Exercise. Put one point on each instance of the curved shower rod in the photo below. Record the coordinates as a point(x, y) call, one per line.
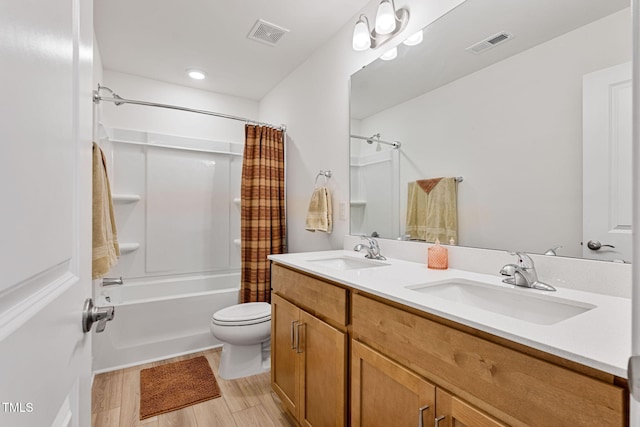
point(376, 138)
point(118, 100)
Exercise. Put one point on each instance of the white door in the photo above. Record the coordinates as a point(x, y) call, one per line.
point(46, 52)
point(607, 160)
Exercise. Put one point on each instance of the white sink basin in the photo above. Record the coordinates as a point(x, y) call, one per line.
point(347, 263)
point(523, 304)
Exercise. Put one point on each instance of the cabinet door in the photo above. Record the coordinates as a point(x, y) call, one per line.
point(456, 413)
point(323, 364)
point(384, 393)
point(285, 379)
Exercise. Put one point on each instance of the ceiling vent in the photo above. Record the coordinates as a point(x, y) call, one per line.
point(266, 32)
point(490, 42)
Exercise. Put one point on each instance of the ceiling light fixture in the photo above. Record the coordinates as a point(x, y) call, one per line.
point(414, 39)
point(196, 74)
point(389, 22)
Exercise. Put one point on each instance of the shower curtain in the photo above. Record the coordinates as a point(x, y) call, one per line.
point(262, 217)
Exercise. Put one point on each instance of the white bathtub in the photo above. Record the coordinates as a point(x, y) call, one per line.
point(158, 319)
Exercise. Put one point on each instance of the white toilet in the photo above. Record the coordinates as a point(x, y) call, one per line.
point(245, 332)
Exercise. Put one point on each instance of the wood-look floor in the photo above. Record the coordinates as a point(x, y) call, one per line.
point(245, 402)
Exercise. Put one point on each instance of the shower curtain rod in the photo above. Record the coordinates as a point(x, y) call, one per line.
point(118, 100)
point(376, 138)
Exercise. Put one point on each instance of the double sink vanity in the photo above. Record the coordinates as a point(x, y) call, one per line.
point(390, 343)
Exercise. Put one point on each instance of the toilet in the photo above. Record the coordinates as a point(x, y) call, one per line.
point(245, 332)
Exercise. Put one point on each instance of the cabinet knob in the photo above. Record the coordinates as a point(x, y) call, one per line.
point(440, 418)
point(421, 415)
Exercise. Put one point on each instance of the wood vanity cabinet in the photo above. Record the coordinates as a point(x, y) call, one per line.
point(407, 366)
point(453, 412)
point(384, 393)
point(308, 354)
point(484, 383)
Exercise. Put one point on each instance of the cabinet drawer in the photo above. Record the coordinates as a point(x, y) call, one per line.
point(320, 298)
point(510, 385)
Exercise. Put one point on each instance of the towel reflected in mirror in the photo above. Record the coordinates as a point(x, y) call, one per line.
point(432, 211)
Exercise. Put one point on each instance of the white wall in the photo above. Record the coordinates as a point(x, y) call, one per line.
point(519, 164)
point(313, 101)
point(174, 122)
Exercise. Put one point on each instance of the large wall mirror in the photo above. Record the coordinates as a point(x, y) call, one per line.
point(529, 102)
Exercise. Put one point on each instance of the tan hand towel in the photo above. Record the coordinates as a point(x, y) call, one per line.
point(319, 215)
point(433, 215)
point(105, 239)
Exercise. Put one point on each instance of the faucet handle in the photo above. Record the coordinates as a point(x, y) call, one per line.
point(373, 243)
point(524, 260)
point(508, 270)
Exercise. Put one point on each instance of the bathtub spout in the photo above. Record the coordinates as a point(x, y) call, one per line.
point(110, 281)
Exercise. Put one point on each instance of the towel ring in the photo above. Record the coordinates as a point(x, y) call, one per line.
point(325, 174)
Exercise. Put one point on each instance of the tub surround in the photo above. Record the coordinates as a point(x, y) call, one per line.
point(599, 338)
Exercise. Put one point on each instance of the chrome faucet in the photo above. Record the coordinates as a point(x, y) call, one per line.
point(111, 281)
point(523, 273)
point(373, 250)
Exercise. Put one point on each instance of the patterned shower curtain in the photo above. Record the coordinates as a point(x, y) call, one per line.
point(262, 218)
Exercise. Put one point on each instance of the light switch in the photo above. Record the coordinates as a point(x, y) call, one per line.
point(342, 211)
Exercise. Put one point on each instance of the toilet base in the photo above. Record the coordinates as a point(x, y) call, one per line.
point(239, 361)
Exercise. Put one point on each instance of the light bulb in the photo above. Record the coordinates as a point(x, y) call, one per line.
point(414, 39)
point(385, 18)
point(361, 37)
point(390, 54)
point(196, 74)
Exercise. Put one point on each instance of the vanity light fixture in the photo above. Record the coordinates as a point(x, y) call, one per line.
point(361, 34)
point(414, 40)
point(389, 22)
point(390, 54)
point(385, 18)
point(196, 74)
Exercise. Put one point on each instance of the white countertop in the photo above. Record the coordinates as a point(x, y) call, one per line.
point(599, 338)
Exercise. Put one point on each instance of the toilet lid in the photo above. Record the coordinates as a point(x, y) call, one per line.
point(251, 312)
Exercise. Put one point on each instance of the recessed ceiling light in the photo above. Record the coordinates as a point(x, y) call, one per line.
point(196, 74)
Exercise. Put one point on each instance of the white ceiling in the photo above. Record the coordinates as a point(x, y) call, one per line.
point(159, 39)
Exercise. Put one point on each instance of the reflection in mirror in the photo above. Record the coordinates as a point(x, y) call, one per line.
point(538, 124)
point(375, 183)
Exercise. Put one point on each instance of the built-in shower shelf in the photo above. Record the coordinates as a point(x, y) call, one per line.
point(237, 242)
point(129, 247)
point(125, 198)
point(237, 201)
point(358, 203)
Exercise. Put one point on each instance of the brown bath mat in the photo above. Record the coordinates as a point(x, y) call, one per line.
point(173, 386)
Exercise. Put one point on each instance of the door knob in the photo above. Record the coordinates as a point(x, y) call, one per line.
point(595, 245)
point(92, 314)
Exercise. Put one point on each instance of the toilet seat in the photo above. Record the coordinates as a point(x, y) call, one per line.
point(243, 314)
